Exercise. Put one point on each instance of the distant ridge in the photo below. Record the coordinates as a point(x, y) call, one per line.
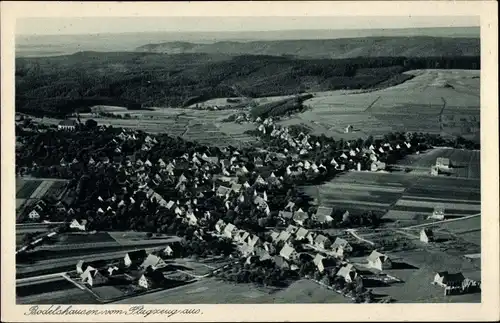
point(414, 46)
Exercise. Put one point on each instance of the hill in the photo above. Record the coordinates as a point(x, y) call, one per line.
point(56, 86)
point(418, 46)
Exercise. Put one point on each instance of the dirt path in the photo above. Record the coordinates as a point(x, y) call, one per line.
point(355, 235)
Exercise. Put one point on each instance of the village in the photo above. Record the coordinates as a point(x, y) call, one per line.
point(238, 203)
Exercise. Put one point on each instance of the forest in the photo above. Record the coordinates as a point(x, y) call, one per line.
point(61, 85)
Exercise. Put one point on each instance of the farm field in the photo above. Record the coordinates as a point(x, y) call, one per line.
point(454, 94)
point(466, 163)
point(408, 198)
point(25, 189)
point(69, 296)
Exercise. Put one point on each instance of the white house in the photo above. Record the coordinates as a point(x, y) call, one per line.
point(67, 125)
point(93, 277)
point(348, 272)
point(33, 215)
point(437, 214)
point(426, 235)
point(379, 261)
point(341, 247)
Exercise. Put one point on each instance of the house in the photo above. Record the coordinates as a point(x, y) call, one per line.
point(437, 214)
point(67, 125)
point(288, 252)
point(93, 277)
point(229, 230)
point(289, 206)
point(34, 215)
point(151, 280)
point(285, 215)
point(280, 262)
point(246, 250)
point(168, 251)
point(291, 229)
point(134, 257)
point(323, 214)
point(341, 247)
point(443, 162)
point(379, 261)
point(219, 226)
point(223, 192)
point(274, 236)
point(322, 242)
point(299, 217)
point(348, 272)
point(318, 262)
point(80, 267)
point(262, 253)
point(76, 225)
point(445, 279)
point(252, 240)
point(310, 237)
point(301, 234)
point(284, 236)
point(152, 261)
point(426, 235)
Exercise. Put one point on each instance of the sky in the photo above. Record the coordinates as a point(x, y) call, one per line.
point(101, 25)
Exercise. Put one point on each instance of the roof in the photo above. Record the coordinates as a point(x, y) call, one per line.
point(151, 260)
point(301, 233)
point(300, 215)
point(286, 215)
point(318, 259)
point(291, 228)
point(428, 232)
point(320, 239)
point(137, 255)
point(286, 251)
point(222, 190)
point(347, 270)
point(447, 277)
point(280, 261)
point(284, 236)
point(377, 255)
point(339, 242)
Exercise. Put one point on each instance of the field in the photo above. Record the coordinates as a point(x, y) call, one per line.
point(466, 163)
point(25, 189)
point(434, 101)
point(408, 198)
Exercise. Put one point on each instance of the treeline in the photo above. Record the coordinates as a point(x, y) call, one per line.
point(65, 84)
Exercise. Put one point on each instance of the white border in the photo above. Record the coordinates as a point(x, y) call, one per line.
point(487, 310)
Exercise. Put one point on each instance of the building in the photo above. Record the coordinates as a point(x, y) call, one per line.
point(426, 235)
point(379, 261)
point(445, 279)
point(134, 257)
point(228, 230)
point(288, 252)
point(80, 267)
point(322, 242)
point(67, 125)
point(341, 247)
point(443, 162)
point(348, 272)
point(284, 236)
point(77, 225)
point(299, 217)
point(318, 262)
point(323, 214)
point(301, 234)
point(152, 261)
point(34, 215)
point(93, 277)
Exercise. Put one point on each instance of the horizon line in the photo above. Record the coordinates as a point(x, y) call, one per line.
point(244, 31)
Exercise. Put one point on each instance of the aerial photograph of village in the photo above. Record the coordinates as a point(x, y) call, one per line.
point(249, 160)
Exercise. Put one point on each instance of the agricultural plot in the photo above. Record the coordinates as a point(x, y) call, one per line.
point(465, 163)
point(24, 188)
point(452, 93)
point(69, 296)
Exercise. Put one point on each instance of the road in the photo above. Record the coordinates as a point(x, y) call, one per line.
point(440, 222)
point(354, 234)
point(39, 279)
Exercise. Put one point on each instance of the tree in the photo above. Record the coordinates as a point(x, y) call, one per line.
point(91, 124)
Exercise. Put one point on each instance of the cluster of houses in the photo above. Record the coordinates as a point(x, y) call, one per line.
point(139, 267)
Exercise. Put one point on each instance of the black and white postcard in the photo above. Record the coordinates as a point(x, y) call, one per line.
point(202, 161)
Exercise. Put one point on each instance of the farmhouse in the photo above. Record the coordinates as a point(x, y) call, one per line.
point(78, 226)
point(34, 215)
point(379, 261)
point(445, 279)
point(442, 162)
point(301, 234)
point(426, 235)
point(341, 247)
point(323, 214)
point(299, 217)
point(322, 242)
point(348, 272)
point(152, 261)
point(67, 125)
point(93, 277)
point(284, 236)
point(287, 252)
point(80, 267)
point(281, 262)
point(134, 257)
point(151, 280)
point(229, 229)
